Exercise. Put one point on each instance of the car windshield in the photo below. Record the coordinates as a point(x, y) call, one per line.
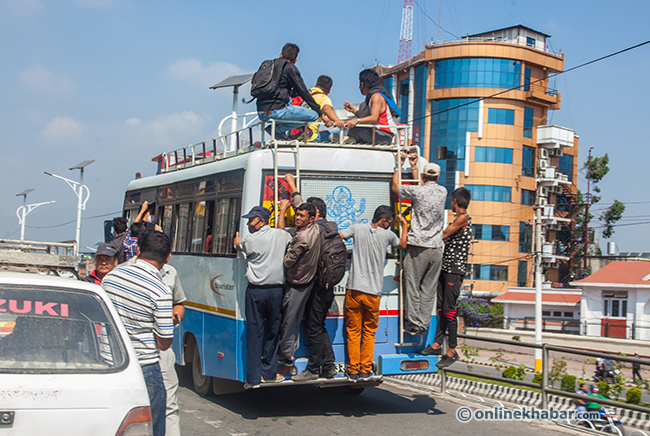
point(55, 330)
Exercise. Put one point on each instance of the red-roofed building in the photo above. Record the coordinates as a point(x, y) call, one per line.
point(560, 309)
point(616, 301)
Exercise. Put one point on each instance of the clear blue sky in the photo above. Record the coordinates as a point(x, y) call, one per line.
point(121, 81)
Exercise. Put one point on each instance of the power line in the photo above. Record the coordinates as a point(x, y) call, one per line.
point(12, 233)
point(535, 81)
point(432, 20)
point(73, 221)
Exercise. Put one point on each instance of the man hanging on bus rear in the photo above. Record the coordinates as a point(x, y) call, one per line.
point(273, 85)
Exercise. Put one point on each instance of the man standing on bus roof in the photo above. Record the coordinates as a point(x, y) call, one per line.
point(380, 104)
point(278, 105)
point(424, 252)
point(264, 248)
point(364, 286)
point(144, 303)
point(457, 237)
point(301, 262)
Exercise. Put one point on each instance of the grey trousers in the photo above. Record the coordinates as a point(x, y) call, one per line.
point(167, 361)
point(293, 307)
point(421, 272)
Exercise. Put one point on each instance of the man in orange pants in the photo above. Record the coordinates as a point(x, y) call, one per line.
point(364, 287)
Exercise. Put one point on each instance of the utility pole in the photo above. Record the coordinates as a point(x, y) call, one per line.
point(586, 235)
point(537, 233)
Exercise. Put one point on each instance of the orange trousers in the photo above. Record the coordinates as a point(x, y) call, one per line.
point(361, 321)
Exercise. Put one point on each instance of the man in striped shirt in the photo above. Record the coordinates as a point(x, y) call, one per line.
point(144, 303)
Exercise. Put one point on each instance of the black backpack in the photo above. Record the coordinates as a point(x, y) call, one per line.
point(333, 257)
point(264, 85)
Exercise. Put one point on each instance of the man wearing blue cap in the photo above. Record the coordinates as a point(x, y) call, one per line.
point(264, 248)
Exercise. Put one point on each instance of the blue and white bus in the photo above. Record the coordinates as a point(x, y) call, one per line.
point(201, 192)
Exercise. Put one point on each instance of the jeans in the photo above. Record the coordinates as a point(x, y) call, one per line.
point(263, 306)
point(157, 397)
point(289, 113)
point(293, 306)
point(361, 321)
point(320, 344)
point(421, 271)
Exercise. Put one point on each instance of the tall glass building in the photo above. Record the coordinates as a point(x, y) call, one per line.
point(475, 105)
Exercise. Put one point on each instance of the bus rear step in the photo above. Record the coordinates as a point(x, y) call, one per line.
point(328, 382)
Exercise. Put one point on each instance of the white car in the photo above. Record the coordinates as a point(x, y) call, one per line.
point(67, 365)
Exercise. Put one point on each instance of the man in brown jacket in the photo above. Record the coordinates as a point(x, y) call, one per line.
point(301, 261)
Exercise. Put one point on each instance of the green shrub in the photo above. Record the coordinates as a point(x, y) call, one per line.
point(538, 378)
point(516, 338)
point(604, 388)
point(568, 383)
point(509, 372)
point(633, 396)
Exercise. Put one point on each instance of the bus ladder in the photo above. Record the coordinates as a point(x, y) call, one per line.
point(295, 150)
point(400, 202)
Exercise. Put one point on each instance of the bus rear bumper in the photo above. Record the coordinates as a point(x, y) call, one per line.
point(326, 383)
point(393, 364)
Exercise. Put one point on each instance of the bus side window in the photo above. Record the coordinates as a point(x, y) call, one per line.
point(165, 219)
point(226, 225)
point(198, 227)
point(182, 220)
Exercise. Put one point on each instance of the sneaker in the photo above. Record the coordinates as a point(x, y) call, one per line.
point(365, 376)
point(249, 386)
point(447, 361)
point(277, 379)
point(415, 330)
point(353, 377)
point(304, 376)
point(430, 351)
point(329, 373)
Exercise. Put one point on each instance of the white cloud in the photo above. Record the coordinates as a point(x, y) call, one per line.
point(24, 7)
point(132, 122)
point(192, 70)
point(40, 79)
point(63, 129)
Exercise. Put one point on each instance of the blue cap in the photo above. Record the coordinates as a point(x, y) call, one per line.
point(259, 212)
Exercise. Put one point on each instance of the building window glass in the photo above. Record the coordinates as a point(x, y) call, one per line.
point(528, 122)
point(526, 79)
point(615, 304)
point(477, 73)
point(530, 42)
point(527, 197)
point(487, 232)
point(450, 121)
point(419, 103)
point(490, 193)
point(528, 161)
point(522, 273)
point(497, 273)
point(388, 84)
point(566, 165)
point(525, 237)
point(404, 101)
point(501, 116)
point(493, 154)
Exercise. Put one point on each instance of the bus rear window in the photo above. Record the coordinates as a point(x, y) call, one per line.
point(57, 331)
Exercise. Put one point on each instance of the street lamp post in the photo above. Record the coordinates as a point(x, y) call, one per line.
point(78, 188)
point(25, 209)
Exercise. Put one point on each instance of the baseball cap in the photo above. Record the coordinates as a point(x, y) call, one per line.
point(431, 169)
point(259, 212)
point(106, 249)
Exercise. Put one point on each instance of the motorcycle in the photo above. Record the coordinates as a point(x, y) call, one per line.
point(608, 422)
point(607, 375)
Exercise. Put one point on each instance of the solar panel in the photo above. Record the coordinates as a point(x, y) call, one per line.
point(233, 81)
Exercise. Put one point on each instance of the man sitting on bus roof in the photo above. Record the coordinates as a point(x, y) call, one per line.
point(264, 249)
point(278, 105)
point(320, 92)
point(301, 262)
point(380, 104)
point(105, 261)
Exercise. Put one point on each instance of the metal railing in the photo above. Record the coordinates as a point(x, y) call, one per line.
point(254, 135)
point(498, 39)
point(544, 387)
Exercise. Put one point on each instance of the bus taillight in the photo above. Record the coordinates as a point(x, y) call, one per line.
point(414, 365)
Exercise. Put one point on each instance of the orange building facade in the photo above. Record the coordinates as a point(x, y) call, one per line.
point(475, 106)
